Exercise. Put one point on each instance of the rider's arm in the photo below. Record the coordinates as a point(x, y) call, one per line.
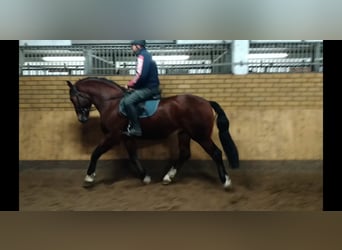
point(141, 71)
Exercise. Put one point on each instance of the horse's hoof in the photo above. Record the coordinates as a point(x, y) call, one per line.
point(166, 180)
point(88, 184)
point(90, 178)
point(228, 184)
point(228, 188)
point(147, 179)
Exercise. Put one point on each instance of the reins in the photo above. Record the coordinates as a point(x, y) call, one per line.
point(78, 93)
point(117, 97)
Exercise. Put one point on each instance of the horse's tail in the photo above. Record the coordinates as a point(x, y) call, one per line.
point(227, 142)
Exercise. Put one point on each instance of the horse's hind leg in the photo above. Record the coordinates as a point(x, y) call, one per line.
point(133, 157)
point(184, 155)
point(216, 154)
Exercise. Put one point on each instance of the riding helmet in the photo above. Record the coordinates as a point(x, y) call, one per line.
point(139, 42)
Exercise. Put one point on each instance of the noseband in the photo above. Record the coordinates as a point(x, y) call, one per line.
point(83, 111)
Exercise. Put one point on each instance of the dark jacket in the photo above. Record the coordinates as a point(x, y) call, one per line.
point(146, 71)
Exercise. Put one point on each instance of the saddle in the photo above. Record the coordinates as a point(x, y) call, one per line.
point(145, 109)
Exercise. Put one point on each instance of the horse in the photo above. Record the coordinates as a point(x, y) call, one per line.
point(190, 116)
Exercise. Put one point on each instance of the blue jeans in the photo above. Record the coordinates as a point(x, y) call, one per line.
point(131, 101)
point(139, 95)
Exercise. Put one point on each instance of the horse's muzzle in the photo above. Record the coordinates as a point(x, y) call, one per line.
point(82, 118)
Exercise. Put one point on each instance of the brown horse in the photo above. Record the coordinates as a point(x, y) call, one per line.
point(192, 116)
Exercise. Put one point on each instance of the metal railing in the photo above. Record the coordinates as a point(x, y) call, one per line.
point(172, 58)
point(298, 56)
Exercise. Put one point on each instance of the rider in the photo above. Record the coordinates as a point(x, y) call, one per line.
point(142, 87)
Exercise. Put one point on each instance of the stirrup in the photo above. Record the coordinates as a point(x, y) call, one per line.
point(132, 132)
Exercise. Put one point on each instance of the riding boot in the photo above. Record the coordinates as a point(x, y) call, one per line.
point(134, 128)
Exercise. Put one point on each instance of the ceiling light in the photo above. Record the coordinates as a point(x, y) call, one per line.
point(63, 58)
point(171, 58)
point(267, 56)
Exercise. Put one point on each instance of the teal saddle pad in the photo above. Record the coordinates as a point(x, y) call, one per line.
point(145, 109)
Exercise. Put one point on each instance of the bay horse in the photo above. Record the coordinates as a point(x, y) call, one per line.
point(192, 117)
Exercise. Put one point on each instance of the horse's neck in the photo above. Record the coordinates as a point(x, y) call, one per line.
point(101, 95)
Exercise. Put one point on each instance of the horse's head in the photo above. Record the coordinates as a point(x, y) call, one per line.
point(81, 102)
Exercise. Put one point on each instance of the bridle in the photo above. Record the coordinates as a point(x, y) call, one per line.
point(78, 94)
point(79, 109)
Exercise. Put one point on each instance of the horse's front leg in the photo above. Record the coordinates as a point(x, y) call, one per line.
point(131, 147)
point(102, 148)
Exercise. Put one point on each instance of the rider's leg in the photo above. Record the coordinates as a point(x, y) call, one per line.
point(134, 128)
point(131, 101)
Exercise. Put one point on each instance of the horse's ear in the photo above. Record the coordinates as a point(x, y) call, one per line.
point(70, 84)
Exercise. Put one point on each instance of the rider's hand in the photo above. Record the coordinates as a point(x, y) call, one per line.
point(129, 88)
